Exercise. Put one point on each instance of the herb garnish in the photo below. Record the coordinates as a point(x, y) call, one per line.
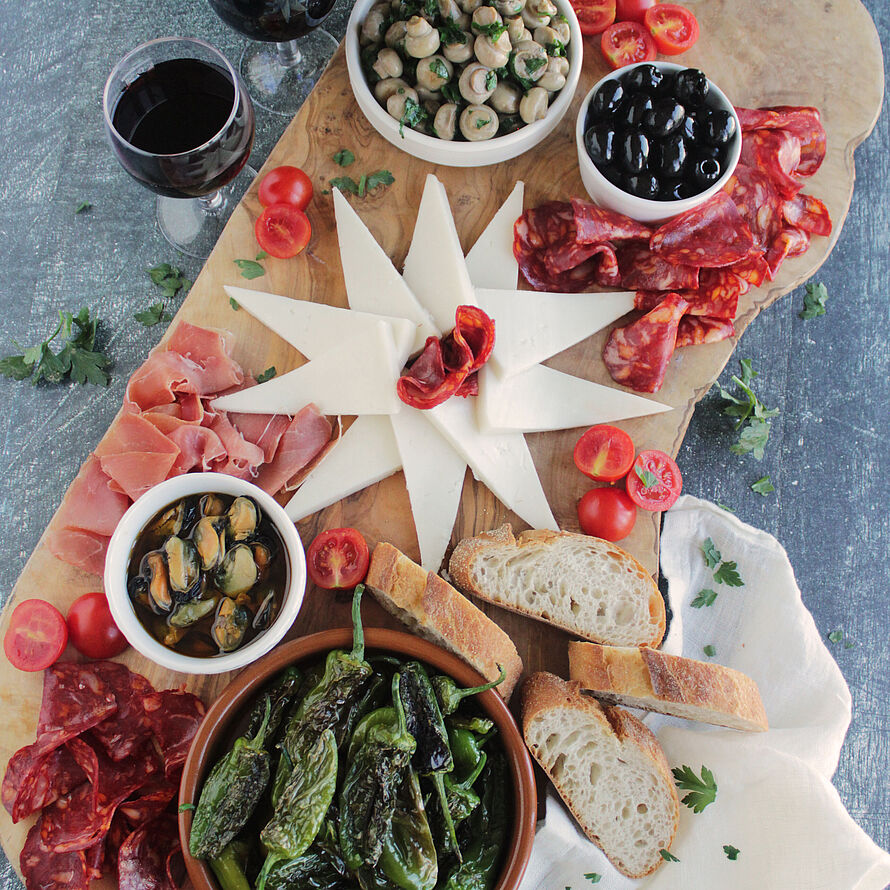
point(344, 157)
point(535, 63)
point(451, 93)
point(437, 66)
point(491, 80)
point(77, 359)
point(764, 485)
point(268, 374)
point(492, 31)
point(155, 314)
point(731, 852)
point(169, 279)
point(451, 34)
point(837, 636)
point(413, 114)
point(711, 553)
point(702, 791)
point(261, 255)
point(704, 597)
point(709, 650)
point(593, 877)
point(234, 303)
point(249, 268)
point(668, 856)
point(482, 122)
point(754, 417)
point(728, 575)
point(82, 207)
point(647, 477)
point(814, 300)
point(557, 48)
point(366, 183)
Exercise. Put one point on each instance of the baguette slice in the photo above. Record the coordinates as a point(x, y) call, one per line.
point(434, 610)
point(584, 585)
point(669, 684)
point(608, 768)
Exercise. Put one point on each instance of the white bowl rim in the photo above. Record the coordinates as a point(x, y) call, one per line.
point(670, 208)
point(118, 557)
point(555, 112)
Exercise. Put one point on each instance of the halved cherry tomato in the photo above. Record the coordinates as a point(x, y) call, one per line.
point(632, 10)
point(625, 43)
point(654, 482)
point(286, 185)
point(36, 637)
point(338, 558)
point(282, 230)
point(606, 513)
point(594, 16)
point(604, 453)
point(674, 28)
point(92, 629)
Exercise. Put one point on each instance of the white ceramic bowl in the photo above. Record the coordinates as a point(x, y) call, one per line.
point(610, 196)
point(460, 154)
point(118, 558)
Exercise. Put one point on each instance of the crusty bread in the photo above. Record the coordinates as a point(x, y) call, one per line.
point(669, 684)
point(584, 585)
point(433, 609)
point(608, 768)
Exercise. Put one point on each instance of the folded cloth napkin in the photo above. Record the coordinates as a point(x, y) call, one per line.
point(775, 802)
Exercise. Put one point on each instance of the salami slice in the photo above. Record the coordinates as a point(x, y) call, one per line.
point(564, 257)
point(128, 728)
point(754, 270)
point(695, 330)
point(549, 224)
point(717, 294)
point(804, 122)
point(643, 270)
point(808, 213)
point(710, 235)
point(758, 202)
point(94, 861)
point(43, 781)
point(45, 870)
point(148, 803)
point(174, 718)
point(637, 355)
point(143, 856)
point(775, 153)
point(789, 242)
point(594, 225)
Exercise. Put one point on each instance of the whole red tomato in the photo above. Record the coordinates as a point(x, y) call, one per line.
point(286, 185)
point(607, 513)
point(92, 629)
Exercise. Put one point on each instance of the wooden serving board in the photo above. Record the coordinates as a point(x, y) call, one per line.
point(800, 52)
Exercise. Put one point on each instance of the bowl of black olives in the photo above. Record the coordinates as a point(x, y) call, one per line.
point(656, 139)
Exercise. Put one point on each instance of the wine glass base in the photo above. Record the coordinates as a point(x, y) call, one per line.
point(192, 226)
point(280, 88)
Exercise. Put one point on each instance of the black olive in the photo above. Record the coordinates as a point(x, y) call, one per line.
point(634, 152)
point(643, 79)
point(665, 117)
point(691, 128)
point(707, 171)
point(643, 185)
point(676, 190)
point(605, 101)
point(720, 127)
point(613, 174)
point(634, 110)
point(703, 150)
point(691, 87)
point(667, 157)
point(600, 143)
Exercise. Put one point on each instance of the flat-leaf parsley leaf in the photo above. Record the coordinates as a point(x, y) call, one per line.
point(647, 477)
point(753, 423)
point(249, 268)
point(709, 650)
point(704, 597)
point(727, 574)
point(268, 374)
point(593, 877)
point(731, 852)
point(668, 856)
point(155, 314)
point(344, 157)
point(814, 300)
point(711, 553)
point(702, 791)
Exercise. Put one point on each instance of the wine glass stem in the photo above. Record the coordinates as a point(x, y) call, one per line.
point(289, 53)
point(214, 203)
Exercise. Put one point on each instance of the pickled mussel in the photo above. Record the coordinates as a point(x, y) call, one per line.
point(212, 505)
point(230, 625)
point(187, 614)
point(169, 522)
point(183, 568)
point(237, 573)
point(242, 519)
point(209, 537)
point(154, 570)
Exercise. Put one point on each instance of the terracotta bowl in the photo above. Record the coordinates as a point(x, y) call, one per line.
point(216, 734)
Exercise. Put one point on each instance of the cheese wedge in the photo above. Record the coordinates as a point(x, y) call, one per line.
point(542, 398)
point(531, 326)
point(358, 376)
point(365, 454)
point(490, 261)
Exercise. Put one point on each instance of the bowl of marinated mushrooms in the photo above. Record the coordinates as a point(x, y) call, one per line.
point(464, 83)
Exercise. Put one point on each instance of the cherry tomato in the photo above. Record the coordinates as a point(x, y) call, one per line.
point(36, 637)
point(674, 28)
point(594, 16)
point(92, 629)
point(607, 513)
point(604, 453)
point(625, 43)
point(338, 558)
point(632, 10)
point(654, 482)
point(282, 230)
point(286, 185)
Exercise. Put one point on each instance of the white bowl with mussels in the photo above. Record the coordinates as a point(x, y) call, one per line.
point(196, 608)
point(491, 80)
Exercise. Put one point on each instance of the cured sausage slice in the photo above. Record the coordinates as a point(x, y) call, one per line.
point(124, 732)
point(717, 294)
point(174, 718)
point(808, 213)
point(758, 202)
point(637, 355)
point(594, 225)
point(711, 235)
point(44, 781)
point(789, 242)
point(804, 122)
point(695, 330)
point(775, 153)
point(142, 861)
point(43, 869)
point(754, 270)
point(641, 269)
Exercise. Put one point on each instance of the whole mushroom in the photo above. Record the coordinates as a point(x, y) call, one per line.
point(484, 18)
point(469, 6)
point(477, 83)
point(509, 7)
point(459, 52)
point(421, 38)
point(554, 76)
point(433, 72)
point(374, 23)
point(493, 53)
point(561, 26)
point(383, 89)
point(546, 36)
point(529, 60)
point(515, 28)
point(445, 121)
point(388, 64)
point(505, 98)
point(478, 123)
point(395, 104)
point(449, 9)
point(395, 35)
point(533, 105)
point(536, 13)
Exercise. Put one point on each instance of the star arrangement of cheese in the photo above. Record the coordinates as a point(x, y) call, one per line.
point(355, 357)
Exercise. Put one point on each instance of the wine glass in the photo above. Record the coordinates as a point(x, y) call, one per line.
point(179, 120)
point(280, 69)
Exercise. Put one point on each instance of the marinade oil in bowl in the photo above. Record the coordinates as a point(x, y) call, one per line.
point(205, 573)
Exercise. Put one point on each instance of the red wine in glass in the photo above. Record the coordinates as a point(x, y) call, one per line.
point(273, 21)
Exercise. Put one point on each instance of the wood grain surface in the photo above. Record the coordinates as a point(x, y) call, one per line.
point(747, 56)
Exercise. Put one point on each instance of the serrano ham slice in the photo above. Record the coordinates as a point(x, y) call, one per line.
point(90, 504)
point(307, 434)
point(80, 548)
point(211, 351)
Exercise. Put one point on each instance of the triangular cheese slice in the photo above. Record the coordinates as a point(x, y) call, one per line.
point(372, 282)
point(500, 461)
point(490, 261)
point(365, 454)
point(434, 476)
point(314, 328)
point(358, 376)
point(542, 398)
point(435, 268)
point(531, 326)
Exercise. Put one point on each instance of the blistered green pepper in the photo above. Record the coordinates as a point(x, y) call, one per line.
point(466, 747)
point(368, 796)
point(231, 793)
point(462, 799)
point(320, 868)
point(479, 725)
point(282, 695)
point(450, 694)
point(229, 867)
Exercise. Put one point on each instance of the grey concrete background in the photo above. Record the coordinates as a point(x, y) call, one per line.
point(828, 454)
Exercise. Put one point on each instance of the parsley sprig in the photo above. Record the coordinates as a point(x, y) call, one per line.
point(725, 572)
point(753, 424)
point(367, 182)
point(702, 791)
point(171, 281)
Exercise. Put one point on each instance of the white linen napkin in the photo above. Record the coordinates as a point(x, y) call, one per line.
point(775, 801)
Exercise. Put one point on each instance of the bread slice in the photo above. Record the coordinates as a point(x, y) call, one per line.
point(669, 684)
point(608, 768)
point(434, 610)
point(584, 585)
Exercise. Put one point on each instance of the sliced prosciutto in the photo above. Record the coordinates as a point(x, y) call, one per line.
point(90, 504)
point(308, 433)
point(211, 351)
point(85, 550)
